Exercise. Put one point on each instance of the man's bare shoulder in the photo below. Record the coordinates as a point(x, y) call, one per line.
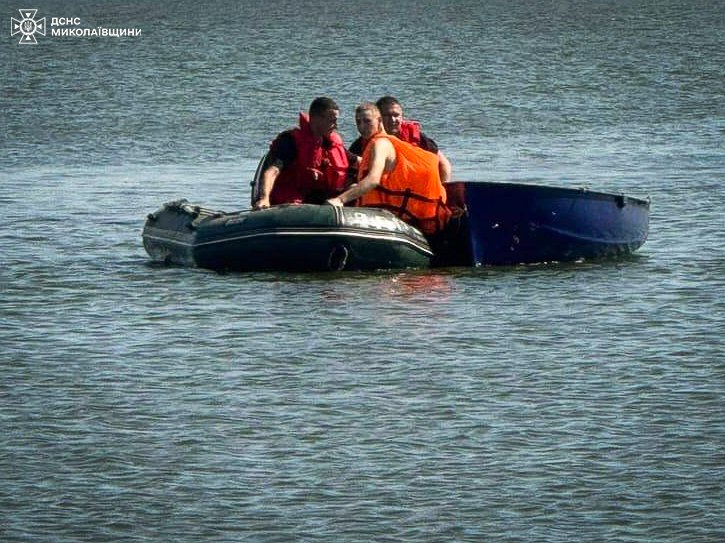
point(383, 146)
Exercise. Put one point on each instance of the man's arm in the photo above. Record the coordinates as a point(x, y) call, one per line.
point(444, 167)
point(382, 156)
point(282, 152)
point(268, 178)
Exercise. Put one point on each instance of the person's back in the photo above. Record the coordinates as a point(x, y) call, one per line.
point(412, 189)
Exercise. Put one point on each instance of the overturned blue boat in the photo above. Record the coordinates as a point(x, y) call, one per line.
point(516, 223)
point(286, 238)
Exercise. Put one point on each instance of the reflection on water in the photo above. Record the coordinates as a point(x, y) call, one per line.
point(423, 286)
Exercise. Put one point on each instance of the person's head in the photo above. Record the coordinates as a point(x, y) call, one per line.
point(368, 120)
point(324, 113)
point(392, 114)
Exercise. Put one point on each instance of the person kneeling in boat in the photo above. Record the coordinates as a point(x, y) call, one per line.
point(396, 175)
point(306, 164)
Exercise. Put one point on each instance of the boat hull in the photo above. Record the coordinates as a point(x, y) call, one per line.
point(286, 238)
point(515, 223)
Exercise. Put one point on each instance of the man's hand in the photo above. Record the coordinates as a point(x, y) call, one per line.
point(335, 202)
point(262, 203)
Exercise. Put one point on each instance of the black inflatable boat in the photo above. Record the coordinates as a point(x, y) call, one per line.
point(288, 237)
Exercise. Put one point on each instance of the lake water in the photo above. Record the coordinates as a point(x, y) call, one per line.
point(552, 403)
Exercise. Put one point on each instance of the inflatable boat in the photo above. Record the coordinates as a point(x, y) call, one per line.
point(287, 238)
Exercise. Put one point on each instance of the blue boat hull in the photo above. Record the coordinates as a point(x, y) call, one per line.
point(514, 223)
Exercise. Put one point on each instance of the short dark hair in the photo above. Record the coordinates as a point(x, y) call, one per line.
point(387, 101)
point(321, 105)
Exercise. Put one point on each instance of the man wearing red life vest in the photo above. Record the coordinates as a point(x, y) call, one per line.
point(407, 130)
point(306, 164)
point(396, 175)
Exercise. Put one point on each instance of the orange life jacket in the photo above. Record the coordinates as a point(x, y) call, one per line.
point(412, 190)
point(410, 132)
point(318, 172)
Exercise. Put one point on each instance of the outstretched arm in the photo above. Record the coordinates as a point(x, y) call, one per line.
point(382, 155)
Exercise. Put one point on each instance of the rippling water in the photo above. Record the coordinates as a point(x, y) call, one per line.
point(578, 402)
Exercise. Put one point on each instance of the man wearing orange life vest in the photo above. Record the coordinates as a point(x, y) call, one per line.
point(396, 175)
point(306, 164)
point(406, 130)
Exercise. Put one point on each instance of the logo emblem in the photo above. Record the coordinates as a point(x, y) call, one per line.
point(27, 26)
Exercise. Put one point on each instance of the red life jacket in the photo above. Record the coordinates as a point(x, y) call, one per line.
point(317, 173)
point(410, 132)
